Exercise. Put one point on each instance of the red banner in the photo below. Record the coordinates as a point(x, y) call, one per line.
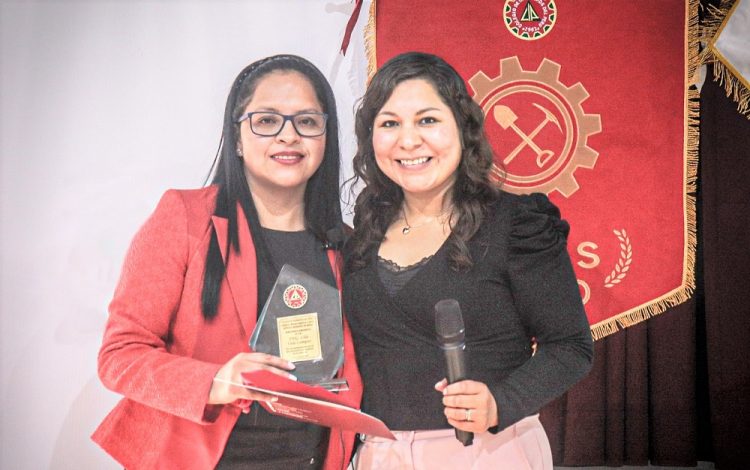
point(588, 102)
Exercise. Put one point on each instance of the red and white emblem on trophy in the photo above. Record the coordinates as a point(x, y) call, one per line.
point(295, 296)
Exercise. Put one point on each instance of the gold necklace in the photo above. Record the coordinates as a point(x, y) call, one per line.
point(407, 226)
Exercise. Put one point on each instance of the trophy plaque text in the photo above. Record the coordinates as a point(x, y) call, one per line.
point(301, 322)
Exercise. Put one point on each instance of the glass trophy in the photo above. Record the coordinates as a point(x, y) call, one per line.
point(301, 322)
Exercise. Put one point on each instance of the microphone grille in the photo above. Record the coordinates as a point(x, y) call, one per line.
point(449, 323)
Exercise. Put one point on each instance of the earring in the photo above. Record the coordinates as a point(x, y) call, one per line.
point(239, 153)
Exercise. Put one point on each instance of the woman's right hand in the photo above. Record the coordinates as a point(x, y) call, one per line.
point(222, 392)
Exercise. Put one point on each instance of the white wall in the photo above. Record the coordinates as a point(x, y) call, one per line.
point(105, 104)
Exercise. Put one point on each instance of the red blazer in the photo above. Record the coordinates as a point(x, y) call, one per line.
point(161, 354)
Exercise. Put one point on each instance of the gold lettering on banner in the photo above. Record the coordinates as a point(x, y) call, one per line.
point(595, 260)
point(299, 337)
point(586, 291)
point(591, 260)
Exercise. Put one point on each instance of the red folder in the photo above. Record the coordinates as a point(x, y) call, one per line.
point(317, 405)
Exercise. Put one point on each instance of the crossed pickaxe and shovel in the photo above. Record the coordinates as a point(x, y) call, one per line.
point(507, 119)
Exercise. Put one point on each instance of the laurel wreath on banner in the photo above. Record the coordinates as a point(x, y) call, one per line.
point(623, 263)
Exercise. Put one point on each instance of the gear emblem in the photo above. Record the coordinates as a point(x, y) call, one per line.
point(537, 127)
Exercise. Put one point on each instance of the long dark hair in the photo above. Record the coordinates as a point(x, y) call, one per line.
point(379, 202)
point(322, 206)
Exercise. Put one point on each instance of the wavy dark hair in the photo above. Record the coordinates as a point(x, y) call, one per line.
point(380, 200)
point(322, 200)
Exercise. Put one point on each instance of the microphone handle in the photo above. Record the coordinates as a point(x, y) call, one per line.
point(464, 437)
point(454, 359)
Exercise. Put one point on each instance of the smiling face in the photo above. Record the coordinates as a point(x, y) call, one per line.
point(287, 161)
point(416, 140)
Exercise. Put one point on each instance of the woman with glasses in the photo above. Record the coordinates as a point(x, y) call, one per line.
point(199, 271)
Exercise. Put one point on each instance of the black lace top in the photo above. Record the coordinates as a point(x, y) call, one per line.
point(394, 277)
point(522, 285)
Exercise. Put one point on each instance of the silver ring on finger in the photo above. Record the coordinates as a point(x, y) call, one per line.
point(468, 414)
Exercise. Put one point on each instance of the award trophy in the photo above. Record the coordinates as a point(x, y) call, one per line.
point(301, 322)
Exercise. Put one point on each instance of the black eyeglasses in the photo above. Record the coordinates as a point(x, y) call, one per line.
point(270, 124)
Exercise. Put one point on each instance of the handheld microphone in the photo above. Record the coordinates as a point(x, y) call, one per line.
point(449, 327)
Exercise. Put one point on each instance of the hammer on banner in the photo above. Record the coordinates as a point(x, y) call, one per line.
point(507, 118)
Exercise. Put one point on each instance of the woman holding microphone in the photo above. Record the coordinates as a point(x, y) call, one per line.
point(430, 225)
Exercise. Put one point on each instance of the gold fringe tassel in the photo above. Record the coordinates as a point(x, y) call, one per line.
point(684, 292)
point(723, 74)
point(733, 87)
point(370, 42)
point(693, 38)
point(613, 325)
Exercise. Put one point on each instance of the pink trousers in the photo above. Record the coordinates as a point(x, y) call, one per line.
point(523, 446)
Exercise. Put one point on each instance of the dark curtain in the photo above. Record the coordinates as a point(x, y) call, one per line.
point(725, 171)
point(676, 389)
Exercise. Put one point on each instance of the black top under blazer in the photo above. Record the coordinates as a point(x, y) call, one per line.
point(521, 286)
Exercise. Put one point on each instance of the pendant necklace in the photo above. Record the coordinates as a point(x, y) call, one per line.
point(407, 226)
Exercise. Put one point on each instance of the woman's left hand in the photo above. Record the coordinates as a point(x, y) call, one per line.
point(469, 405)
